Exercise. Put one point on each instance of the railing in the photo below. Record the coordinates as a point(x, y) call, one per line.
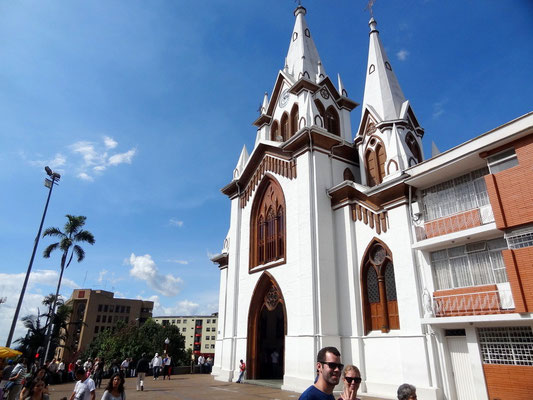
point(454, 223)
point(477, 303)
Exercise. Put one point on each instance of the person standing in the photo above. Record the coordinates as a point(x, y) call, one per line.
point(17, 375)
point(115, 388)
point(329, 368)
point(124, 366)
point(71, 371)
point(406, 392)
point(242, 368)
point(201, 361)
point(84, 388)
point(98, 373)
point(157, 362)
point(142, 369)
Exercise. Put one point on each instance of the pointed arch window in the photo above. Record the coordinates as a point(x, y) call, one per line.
point(414, 147)
point(380, 305)
point(274, 132)
point(267, 239)
point(294, 119)
point(285, 127)
point(375, 158)
point(331, 121)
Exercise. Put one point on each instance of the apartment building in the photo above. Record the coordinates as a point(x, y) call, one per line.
point(93, 311)
point(473, 241)
point(200, 331)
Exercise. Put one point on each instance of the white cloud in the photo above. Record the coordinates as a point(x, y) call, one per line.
point(102, 275)
point(183, 307)
point(41, 283)
point(110, 143)
point(182, 262)
point(122, 158)
point(175, 222)
point(85, 177)
point(55, 163)
point(96, 159)
point(144, 268)
point(402, 55)
point(438, 108)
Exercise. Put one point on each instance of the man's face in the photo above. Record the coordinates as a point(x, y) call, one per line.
point(330, 375)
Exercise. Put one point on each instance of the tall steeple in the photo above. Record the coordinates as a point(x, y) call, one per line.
point(389, 135)
point(382, 90)
point(302, 58)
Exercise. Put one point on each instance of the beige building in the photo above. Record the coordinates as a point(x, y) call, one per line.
point(97, 310)
point(200, 331)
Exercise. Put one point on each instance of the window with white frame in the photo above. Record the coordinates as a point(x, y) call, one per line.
point(521, 237)
point(506, 345)
point(473, 264)
point(456, 195)
point(502, 161)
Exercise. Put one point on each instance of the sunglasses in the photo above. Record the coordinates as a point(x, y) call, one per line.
point(349, 379)
point(333, 365)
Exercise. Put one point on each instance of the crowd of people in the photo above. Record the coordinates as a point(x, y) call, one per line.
point(21, 381)
point(20, 384)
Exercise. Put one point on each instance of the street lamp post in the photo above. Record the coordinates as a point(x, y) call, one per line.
point(167, 341)
point(49, 183)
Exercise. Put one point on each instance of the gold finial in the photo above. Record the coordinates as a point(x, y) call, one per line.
point(369, 6)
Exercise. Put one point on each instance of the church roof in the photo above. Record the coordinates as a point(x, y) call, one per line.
point(302, 58)
point(382, 90)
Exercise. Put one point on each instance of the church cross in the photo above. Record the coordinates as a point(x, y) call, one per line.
point(299, 2)
point(369, 7)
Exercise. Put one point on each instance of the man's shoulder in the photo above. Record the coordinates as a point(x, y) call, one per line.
point(312, 393)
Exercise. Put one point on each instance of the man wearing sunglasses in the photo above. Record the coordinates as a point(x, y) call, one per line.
point(329, 368)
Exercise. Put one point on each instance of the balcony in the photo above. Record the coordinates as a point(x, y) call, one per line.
point(498, 301)
point(454, 223)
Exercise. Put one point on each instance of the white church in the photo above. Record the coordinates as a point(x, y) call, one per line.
point(347, 237)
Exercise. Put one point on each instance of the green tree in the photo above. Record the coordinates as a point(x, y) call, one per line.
point(34, 338)
point(68, 244)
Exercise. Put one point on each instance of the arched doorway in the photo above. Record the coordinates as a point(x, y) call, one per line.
point(267, 327)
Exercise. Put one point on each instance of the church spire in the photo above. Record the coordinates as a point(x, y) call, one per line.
point(382, 90)
point(302, 58)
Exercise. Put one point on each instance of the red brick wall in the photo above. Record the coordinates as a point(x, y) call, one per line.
point(519, 266)
point(509, 382)
point(511, 191)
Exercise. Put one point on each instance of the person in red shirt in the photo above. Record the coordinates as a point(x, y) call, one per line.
point(242, 367)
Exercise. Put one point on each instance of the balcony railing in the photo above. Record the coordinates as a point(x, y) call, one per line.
point(454, 223)
point(478, 303)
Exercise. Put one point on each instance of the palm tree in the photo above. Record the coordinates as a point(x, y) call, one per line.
point(34, 338)
point(73, 234)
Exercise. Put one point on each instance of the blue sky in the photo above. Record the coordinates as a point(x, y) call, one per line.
point(143, 107)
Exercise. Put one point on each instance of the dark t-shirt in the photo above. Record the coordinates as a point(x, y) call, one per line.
point(312, 393)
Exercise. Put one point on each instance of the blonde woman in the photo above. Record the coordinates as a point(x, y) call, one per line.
point(351, 378)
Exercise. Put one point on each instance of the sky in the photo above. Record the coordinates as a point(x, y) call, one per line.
point(143, 108)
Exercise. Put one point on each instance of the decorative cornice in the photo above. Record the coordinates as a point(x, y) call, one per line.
point(286, 168)
point(222, 260)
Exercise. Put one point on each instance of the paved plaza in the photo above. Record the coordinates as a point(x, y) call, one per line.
point(188, 387)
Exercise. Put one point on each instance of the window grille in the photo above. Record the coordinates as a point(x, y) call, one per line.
point(507, 345)
point(372, 285)
point(518, 238)
point(390, 284)
point(457, 195)
point(461, 266)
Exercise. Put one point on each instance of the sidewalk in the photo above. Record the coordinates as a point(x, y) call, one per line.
point(187, 387)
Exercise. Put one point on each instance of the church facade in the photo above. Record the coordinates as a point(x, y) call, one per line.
point(417, 270)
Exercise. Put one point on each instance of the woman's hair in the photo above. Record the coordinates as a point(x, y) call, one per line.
point(405, 391)
point(109, 386)
point(33, 384)
point(349, 368)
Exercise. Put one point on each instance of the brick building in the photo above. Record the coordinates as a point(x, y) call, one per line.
point(95, 311)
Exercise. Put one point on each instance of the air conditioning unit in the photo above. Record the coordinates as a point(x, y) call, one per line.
point(486, 214)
